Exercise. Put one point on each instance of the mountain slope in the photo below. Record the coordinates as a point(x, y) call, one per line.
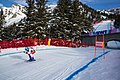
point(13, 14)
point(115, 11)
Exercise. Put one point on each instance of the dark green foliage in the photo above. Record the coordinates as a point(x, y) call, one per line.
point(60, 21)
point(117, 21)
point(1, 18)
point(69, 19)
point(2, 21)
point(9, 33)
point(42, 19)
point(29, 22)
point(36, 24)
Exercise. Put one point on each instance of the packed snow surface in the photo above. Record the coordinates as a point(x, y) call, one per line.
point(113, 44)
point(58, 63)
point(104, 25)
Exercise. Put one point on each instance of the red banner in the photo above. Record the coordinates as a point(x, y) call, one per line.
point(35, 41)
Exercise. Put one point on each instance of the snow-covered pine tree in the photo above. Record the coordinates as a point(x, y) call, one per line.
point(1, 18)
point(87, 18)
point(42, 19)
point(36, 23)
point(2, 21)
point(9, 33)
point(29, 24)
point(76, 20)
point(3, 33)
point(60, 21)
point(69, 20)
point(21, 27)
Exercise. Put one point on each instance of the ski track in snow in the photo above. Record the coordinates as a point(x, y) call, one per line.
point(55, 64)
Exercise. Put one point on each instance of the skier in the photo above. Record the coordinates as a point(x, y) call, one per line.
point(30, 51)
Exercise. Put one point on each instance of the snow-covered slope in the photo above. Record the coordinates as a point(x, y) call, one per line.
point(58, 63)
point(110, 11)
point(13, 14)
point(113, 44)
point(104, 25)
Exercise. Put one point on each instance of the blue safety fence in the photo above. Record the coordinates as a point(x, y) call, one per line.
point(85, 66)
